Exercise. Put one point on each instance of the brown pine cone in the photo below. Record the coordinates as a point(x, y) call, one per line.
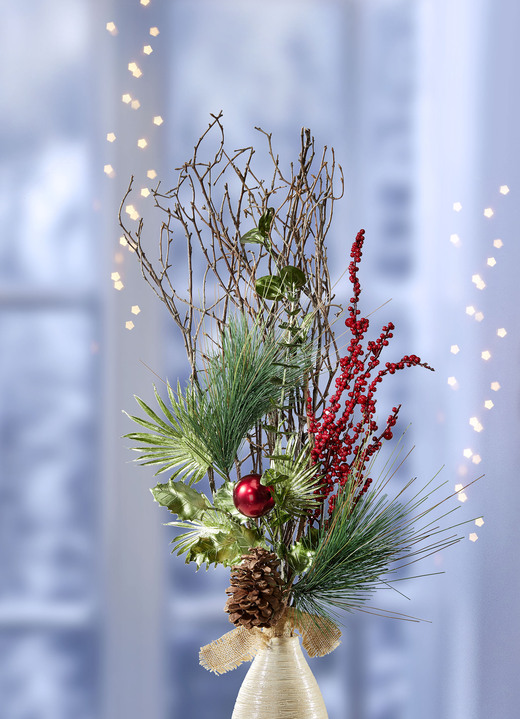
point(256, 595)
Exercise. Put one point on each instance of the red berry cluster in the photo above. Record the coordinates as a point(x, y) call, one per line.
point(347, 435)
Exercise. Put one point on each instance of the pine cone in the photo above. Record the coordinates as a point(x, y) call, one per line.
point(256, 596)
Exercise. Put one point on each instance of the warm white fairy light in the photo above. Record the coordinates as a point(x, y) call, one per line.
point(479, 522)
point(135, 69)
point(147, 49)
point(473, 536)
point(112, 28)
point(158, 120)
point(151, 174)
point(135, 104)
point(145, 2)
point(123, 241)
point(478, 282)
point(111, 136)
point(118, 285)
point(476, 424)
point(498, 243)
point(130, 210)
point(489, 404)
point(491, 261)
point(452, 381)
point(476, 459)
point(488, 212)
point(119, 258)
point(129, 325)
point(479, 316)
point(502, 332)
point(470, 310)
point(454, 349)
point(486, 354)
point(135, 309)
point(504, 190)
point(142, 143)
point(455, 240)
point(115, 276)
point(457, 206)
point(126, 98)
point(154, 31)
point(495, 386)
point(109, 170)
point(145, 192)
point(468, 453)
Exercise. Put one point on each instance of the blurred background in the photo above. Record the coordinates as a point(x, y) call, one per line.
point(420, 100)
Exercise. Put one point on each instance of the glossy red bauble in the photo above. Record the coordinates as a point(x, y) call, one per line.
point(251, 498)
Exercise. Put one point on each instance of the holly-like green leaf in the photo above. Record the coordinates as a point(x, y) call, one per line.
point(223, 499)
point(215, 540)
point(300, 557)
point(181, 499)
point(293, 276)
point(270, 287)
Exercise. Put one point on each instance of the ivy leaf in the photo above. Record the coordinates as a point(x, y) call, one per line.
point(293, 276)
point(182, 500)
point(264, 223)
point(270, 287)
point(254, 236)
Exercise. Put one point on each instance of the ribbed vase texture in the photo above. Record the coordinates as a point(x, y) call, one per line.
point(280, 685)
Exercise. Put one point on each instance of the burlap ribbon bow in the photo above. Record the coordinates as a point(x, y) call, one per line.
point(320, 636)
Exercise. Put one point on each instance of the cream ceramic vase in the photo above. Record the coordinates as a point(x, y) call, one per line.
point(280, 685)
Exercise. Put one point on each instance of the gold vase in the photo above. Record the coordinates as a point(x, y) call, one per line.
point(280, 685)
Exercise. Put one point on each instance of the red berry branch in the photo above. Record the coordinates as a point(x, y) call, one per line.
point(347, 434)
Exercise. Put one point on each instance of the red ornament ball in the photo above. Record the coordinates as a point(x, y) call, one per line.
point(252, 498)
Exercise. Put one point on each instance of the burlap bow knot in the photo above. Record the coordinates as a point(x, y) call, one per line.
point(320, 636)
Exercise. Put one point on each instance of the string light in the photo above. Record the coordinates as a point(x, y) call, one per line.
point(502, 332)
point(478, 282)
point(154, 31)
point(158, 120)
point(455, 240)
point(486, 354)
point(126, 98)
point(479, 522)
point(470, 310)
point(488, 404)
point(491, 261)
point(109, 170)
point(147, 49)
point(454, 349)
point(111, 136)
point(129, 325)
point(135, 69)
point(476, 459)
point(468, 453)
point(145, 192)
point(135, 309)
point(453, 382)
point(151, 174)
point(495, 386)
point(479, 316)
point(111, 27)
point(118, 285)
point(498, 244)
point(135, 104)
point(488, 212)
point(473, 537)
point(457, 206)
point(504, 190)
point(142, 143)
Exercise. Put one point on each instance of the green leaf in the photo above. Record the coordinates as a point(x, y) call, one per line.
point(264, 223)
point(270, 287)
point(215, 540)
point(300, 557)
point(293, 276)
point(223, 499)
point(182, 500)
point(254, 236)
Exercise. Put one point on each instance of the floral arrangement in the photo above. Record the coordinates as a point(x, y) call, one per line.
point(277, 421)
